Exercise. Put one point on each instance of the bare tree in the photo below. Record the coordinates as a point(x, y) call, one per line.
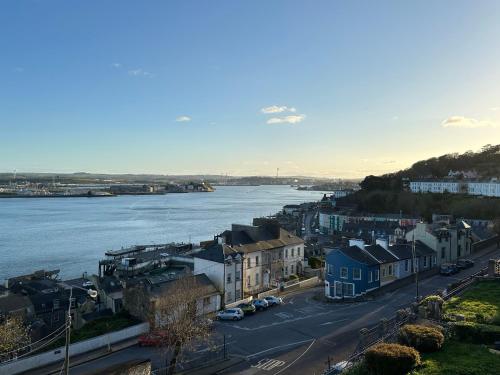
point(176, 314)
point(13, 335)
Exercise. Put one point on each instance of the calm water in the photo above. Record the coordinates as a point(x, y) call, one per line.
point(72, 234)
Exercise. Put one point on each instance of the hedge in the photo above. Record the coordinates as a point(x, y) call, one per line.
point(314, 262)
point(391, 359)
point(476, 332)
point(424, 339)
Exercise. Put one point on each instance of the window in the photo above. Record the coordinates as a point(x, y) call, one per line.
point(228, 296)
point(338, 289)
point(406, 265)
point(343, 272)
point(257, 260)
point(206, 301)
point(390, 269)
point(238, 276)
point(249, 264)
point(286, 253)
point(376, 275)
point(443, 252)
point(425, 260)
point(56, 304)
point(329, 268)
point(370, 277)
point(286, 270)
point(229, 278)
point(348, 289)
point(237, 294)
point(356, 273)
point(459, 250)
point(298, 251)
point(293, 252)
point(383, 272)
point(257, 279)
point(291, 269)
point(249, 281)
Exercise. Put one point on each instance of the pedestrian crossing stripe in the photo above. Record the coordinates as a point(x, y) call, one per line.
point(268, 364)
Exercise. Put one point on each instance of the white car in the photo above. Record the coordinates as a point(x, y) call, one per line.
point(231, 314)
point(272, 300)
point(87, 284)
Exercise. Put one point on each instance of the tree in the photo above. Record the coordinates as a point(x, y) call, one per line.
point(177, 319)
point(13, 335)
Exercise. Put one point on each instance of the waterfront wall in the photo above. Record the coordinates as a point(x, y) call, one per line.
point(43, 359)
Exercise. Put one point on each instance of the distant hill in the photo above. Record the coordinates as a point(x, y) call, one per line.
point(485, 163)
point(384, 194)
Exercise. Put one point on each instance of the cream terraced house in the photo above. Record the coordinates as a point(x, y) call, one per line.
point(269, 254)
point(471, 187)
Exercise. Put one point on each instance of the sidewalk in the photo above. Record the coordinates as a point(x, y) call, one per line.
point(55, 368)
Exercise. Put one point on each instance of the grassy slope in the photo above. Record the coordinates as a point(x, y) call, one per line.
point(480, 304)
point(460, 359)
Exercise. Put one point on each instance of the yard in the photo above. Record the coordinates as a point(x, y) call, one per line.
point(457, 358)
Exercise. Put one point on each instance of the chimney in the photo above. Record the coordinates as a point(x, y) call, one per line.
point(382, 242)
point(358, 243)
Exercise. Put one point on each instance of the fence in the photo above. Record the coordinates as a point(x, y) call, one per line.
point(43, 359)
point(387, 329)
point(290, 286)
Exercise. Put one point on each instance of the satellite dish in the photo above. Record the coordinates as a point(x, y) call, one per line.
point(92, 293)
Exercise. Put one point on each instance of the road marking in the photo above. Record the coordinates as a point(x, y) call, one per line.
point(333, 322)
point(277, 348)
point(284, 315)
point(268, 364)
point(296, 359)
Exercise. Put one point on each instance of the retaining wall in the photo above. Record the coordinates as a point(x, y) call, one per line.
point(56, 355)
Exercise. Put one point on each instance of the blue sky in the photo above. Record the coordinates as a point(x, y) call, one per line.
point(349, 88)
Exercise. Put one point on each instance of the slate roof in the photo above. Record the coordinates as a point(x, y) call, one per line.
point(423, 249)
point(381, 254)
point(359, 255)
point(402, 251)
point(251, 239)
point(201, 280)
point(216, 252)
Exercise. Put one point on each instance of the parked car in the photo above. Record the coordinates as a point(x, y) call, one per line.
point(231, 314)
point(260, 304)
point(448, 269)
point(247, 308)
point(272, 300)
point(465, 263)
point(151, 339)
point(86, 284)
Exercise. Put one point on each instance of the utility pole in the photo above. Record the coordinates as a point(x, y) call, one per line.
point(68, 334)
point(415, 265)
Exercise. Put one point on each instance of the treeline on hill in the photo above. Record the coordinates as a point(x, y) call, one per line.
point(384, 194)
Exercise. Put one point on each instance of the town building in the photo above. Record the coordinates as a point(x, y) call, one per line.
point(356, 269)
point(223, 265)
point(449, 241)
point(471, 187)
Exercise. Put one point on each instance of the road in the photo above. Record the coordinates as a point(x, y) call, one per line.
point(299, 335)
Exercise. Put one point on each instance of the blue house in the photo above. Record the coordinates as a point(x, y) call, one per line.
point(350, 272)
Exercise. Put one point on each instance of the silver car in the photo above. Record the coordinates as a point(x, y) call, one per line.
point(272, 300)
point(231, 314)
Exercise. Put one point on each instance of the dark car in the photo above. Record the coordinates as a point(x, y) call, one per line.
point(247, 308)
point(446, 269)
point(260, 304)
point(465, 263)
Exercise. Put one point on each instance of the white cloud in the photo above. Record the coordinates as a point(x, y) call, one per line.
point(291, 119)
point(183, 119)
point(139, 72)
point(116, 65)
point(494, 109)
point(277, 109)
point(467, 122)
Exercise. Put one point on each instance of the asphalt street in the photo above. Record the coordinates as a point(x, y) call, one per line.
point(298, 336)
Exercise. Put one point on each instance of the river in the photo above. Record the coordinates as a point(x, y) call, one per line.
point(72, 234)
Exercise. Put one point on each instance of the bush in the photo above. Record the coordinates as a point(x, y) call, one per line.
point(433, 298)
point(424, 339)
point(391, 359)
point(294, 277)
point(476, 332)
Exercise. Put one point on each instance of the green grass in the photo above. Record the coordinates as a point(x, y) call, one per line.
point(479, 304)
point(458, 358)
